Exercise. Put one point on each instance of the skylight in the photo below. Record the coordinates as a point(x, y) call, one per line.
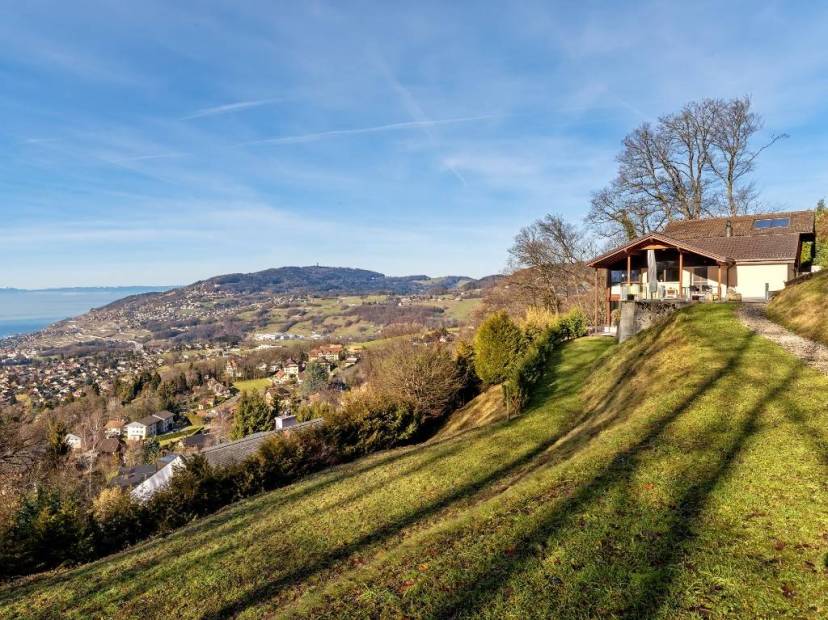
point(780, 222)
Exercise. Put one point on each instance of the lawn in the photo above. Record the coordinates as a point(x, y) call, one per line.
point(679, 475)
point(801, 308)
point(169, 438)
point(251, 385)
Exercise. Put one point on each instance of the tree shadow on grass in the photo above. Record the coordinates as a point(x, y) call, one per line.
point(222, 524)
point(485, 585)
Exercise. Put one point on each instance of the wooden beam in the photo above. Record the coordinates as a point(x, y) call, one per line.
point(720, 281)
point(595, 314)
point(681, 274)
point(629, 269)
point(655, 247)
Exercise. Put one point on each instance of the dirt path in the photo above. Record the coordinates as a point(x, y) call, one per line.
point(810, 352)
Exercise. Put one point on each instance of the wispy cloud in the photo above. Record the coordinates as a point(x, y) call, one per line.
point(146, 157)
point(229, 108)
point(414, 109)
point(321, 135)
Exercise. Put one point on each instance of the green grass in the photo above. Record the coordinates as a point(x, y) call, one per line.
point(801, 308)
point(165, 440)
point(679, 475)
point(251, 385)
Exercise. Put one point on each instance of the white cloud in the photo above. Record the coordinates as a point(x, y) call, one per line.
point(229, 108)
point(321, 135)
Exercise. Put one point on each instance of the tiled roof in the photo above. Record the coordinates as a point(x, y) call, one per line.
point(747, 243)
point(802, 222)
point(164, 415)
point(110, 445)
point(234, 452)
point(755, 248)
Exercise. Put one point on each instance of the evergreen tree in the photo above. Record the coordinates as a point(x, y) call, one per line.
point(497, 345)
point(316, 377)
point(252, 415)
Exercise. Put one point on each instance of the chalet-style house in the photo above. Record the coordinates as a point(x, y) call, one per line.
point(747, 256)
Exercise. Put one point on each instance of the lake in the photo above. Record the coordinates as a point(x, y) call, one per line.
point(25, 311)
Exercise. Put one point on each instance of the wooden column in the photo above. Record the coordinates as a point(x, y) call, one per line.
point(609, 301)
point(681, 275)
point(629, 269)
point(596, 299)
point(720, 281)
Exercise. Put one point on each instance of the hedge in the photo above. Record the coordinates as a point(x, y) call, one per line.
point(525, 373)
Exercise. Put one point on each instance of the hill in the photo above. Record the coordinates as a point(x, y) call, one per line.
point(298, 301)
point(801, 308)
point(681, 474)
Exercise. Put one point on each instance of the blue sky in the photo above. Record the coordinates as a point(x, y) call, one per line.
point(163, 142)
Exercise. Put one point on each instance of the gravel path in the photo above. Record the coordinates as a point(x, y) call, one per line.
point(812, 353)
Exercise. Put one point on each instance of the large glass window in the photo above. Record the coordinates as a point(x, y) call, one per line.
point(618, 276)
point(668, 270)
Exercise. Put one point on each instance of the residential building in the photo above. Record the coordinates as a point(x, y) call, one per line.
point(73, 441)
point(748, 257)
point(141, 429)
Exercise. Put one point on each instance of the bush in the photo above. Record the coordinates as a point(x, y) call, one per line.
point(423, 378)
point(48, 529)
point(498, 344)
point(529, 368)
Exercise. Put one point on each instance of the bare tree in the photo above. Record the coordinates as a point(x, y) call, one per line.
point(426, 377)
point(553, 254)
point(689, 165)
point(733, 157)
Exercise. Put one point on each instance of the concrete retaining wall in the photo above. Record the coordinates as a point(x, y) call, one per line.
point(639, 315)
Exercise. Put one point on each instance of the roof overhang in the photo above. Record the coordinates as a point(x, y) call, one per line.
point(654, 241)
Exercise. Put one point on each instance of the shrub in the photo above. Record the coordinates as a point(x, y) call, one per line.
point(529, 368)
point(573, 324)
point(48, 529)
point(498, 344)
point(422, 378)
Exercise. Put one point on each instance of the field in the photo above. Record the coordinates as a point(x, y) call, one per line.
point(334, 318)
point(801, 308)
point(679, 475)
point(253, 385)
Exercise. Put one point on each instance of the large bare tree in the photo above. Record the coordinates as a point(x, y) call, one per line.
point(689, 165)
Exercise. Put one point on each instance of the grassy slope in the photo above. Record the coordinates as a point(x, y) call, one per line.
point(486, 408)
point(684, 474)
point(802, 308)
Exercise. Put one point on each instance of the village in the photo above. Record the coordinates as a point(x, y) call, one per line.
point(126, 453)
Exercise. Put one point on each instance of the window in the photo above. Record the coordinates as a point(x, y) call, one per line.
point(668, 271)
point(780, 222)
point(619, 276)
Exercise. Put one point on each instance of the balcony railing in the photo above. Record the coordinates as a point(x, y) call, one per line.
point(670, 291)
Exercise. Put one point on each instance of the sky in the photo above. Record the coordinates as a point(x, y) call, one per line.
point(158, 143)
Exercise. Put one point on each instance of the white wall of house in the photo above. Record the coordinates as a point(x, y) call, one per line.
point(136, 430)
point(750, 279)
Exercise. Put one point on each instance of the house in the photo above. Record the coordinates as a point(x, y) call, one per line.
point(73, 441)
point(281, 377)
point(143, 428)
point(113, 428)
point(330, 353)
point(747, 256)
point(166, 421)
point(111, 446)
point(219, 456)
point(195, 443)
point(292, 368)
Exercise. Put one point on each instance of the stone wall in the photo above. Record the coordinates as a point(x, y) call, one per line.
point(639, 315)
